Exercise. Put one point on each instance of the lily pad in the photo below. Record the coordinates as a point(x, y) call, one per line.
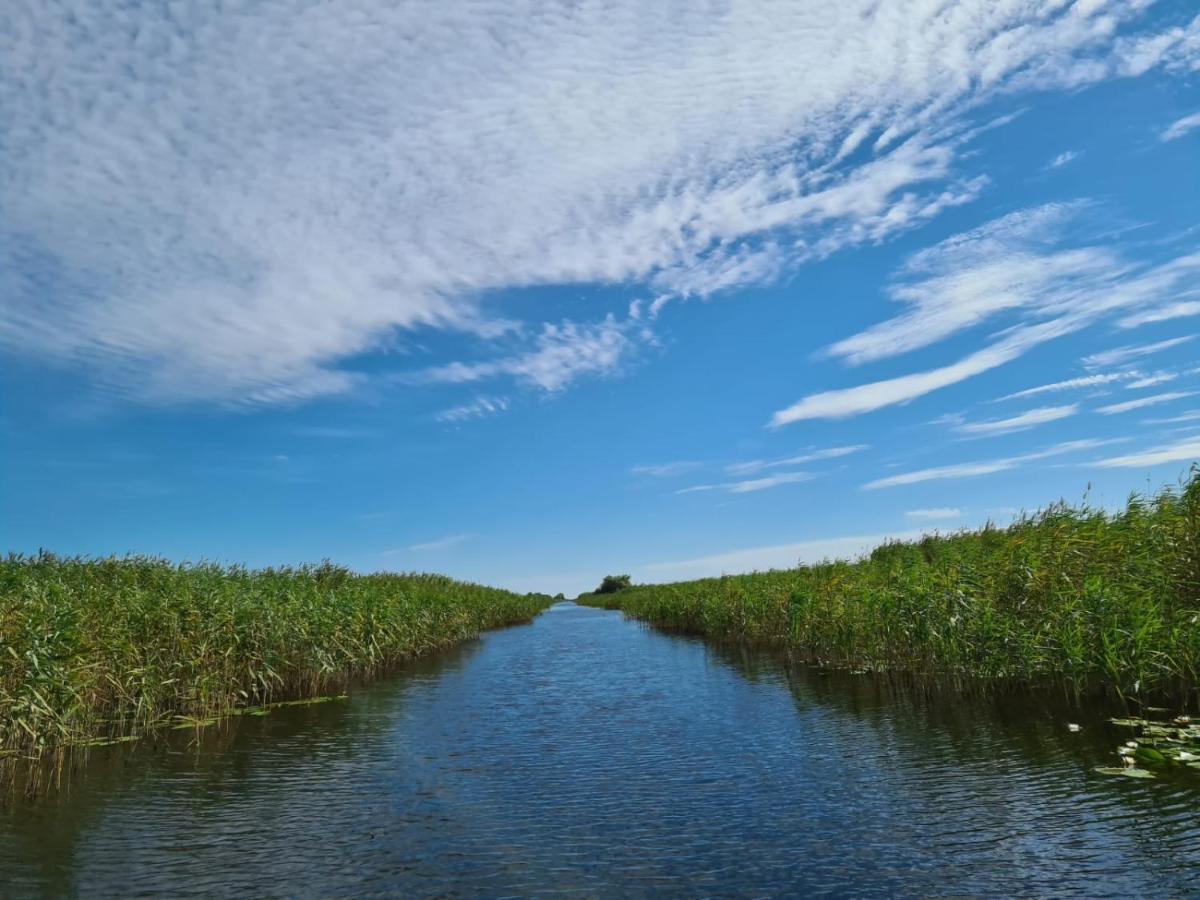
point(1123, 770)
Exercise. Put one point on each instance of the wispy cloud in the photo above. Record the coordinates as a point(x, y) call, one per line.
point(1130, 352)
point(759, 465)
point(935, 514)
point(445, 543)
point(1070, 384)
point(1009, 268)
point(561, 354)
point(250, 222)
point(865, 398)
point(1026, 420)
point(1177, 310)
point(1142, 402)
point(334, 433)
point(1187, 450)
point(1152, 380)
point(983, 467)
point(1192, 416)
point(667, 470)
point(1180, 127)
point(476, 409)
point(1063, 159)
point(752, 485)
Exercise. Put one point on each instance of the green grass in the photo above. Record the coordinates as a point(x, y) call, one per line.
point(96, 650)
point(1070, 594)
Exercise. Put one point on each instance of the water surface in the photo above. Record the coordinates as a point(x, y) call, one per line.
point(586, 754)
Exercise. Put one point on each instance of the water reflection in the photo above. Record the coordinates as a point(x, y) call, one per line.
point(588, 754)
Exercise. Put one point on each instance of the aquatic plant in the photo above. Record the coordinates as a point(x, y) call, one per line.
point(96, 651)
point(1158, 743)
point(1069, 593)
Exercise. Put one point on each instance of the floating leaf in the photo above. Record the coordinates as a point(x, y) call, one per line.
point(1123, 770)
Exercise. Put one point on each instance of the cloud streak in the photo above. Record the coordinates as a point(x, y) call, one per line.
point(982, 467)
point(1187, 450)
point(1002, 269)
point(751, 485)
point(434, 546)
point(1130, 352)
point(1181, 127)
point(759, 465)
point(667, 470)
point(1023, 422)
point(1070, 384)
point(479, 408)
point(935, 514)
point(1142, 402)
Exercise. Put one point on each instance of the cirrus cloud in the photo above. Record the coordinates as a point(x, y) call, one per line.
point(229, 205)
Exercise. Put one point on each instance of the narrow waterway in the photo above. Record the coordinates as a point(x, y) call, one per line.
point(588, 754)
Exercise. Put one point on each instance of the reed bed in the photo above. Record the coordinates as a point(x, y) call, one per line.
point(101, 650)
point(1069, 594)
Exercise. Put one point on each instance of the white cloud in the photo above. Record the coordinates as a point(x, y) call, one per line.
point(476, 409)
point(864, 398)
point(1180, 127)
point(752, 485)
point(1022, 422)
point(561, 353)
point(1003, 267)
point(971, 277)
point(1130, 352)
point(776, 556)
point(1142, 402)
point(335, 433)
point(1193, 416)
point(1071, 384)
point(1015, 265)
point(445, 543)
point(227, 207)
point(758, 465)
point(1177, 310)
point(1183, 451)
point(982, 467)
point(1151, 380)
point(667, 470)
point(936, 513)
point(1063, 158)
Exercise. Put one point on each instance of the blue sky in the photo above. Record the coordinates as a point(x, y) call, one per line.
point(531, 293)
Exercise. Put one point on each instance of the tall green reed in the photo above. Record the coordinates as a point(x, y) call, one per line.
point(102, 648)
point(1070, 593)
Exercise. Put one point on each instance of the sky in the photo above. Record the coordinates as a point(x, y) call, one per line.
point(528, 293)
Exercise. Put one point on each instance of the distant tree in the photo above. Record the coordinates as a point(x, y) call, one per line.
point(613, 583)
point(559, 597)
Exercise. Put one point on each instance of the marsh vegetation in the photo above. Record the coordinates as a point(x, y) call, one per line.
point(112, 650)
point(1070, 594)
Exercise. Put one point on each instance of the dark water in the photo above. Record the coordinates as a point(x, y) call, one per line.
point(588, 755)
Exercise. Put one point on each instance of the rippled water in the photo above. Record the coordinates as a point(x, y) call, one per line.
point(587, 754)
